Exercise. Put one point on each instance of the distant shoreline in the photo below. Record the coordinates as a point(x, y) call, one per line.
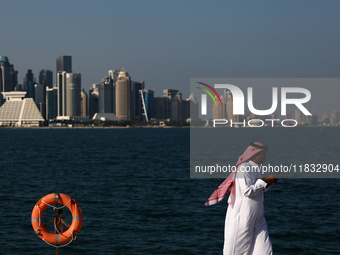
point(101, 127)
point(148, 127)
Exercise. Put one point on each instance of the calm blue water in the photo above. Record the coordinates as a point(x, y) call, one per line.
point(137, 198)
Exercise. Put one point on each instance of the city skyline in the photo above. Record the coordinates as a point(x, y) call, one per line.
point(116, 98)
point(70, 102)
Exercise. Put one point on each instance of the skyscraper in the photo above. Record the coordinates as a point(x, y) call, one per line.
point(68, 87)
point(93, 99)
point(46, 78)
point(5, 75)
point(29, 84)
point(40, 98)
point(147, 97)
point(325, 118)
point(123, 96)
point(186, 110)
point(31, 90)
point(45, 81)
point(114, 75)
point(61, 85)
point(136, 107)
point(218, 109)
point(315, 118)
point(64, 64)
point(169, 95)
point(301, 118)
point(158, 107)
point(14, 78)
point(177, 108)
point(105, 103)
point(193, 108)
point(335, 117)
point(51, 103)
point(73, 94)
point(84, 103)
point(229, 103)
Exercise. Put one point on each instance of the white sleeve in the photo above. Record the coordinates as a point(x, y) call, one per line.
point(252, 190)
point(251, 186)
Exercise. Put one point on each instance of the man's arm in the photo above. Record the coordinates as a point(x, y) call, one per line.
point(251, 185)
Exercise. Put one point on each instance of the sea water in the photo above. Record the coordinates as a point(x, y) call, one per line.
point(135, 191)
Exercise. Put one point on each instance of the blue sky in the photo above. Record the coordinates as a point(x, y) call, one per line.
point(165, 43)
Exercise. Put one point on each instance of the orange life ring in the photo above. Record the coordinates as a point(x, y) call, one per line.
point(50, 200)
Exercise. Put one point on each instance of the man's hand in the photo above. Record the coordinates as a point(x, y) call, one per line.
point(271, 179)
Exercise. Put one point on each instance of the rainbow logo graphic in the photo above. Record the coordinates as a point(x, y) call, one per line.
point(204, 97)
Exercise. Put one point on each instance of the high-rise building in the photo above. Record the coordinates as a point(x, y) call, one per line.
point(177, 108)
point(114, 75)
point(123, 96)
point(40, 98)
point(335, 117)
point(69, 90)
point(190, 109)
point(325, 118)
point(229, 103)
point(62, 90)
point(170, 95)
point(46, 78)
point(136, 103)
point(64, 64)
point(93, 100)
point(193, 108)
point(31, 90)
point(5, 75)
point(73, 94)
point(105, 102)
point(45, 81)
point(29, 77)
point(84, 103)
point(218, 109)
point(185, 110)
point(51, 103)
point(301, 118)
point(315, 118)
point(14, 78)
point(158, 107)
point(146, 102)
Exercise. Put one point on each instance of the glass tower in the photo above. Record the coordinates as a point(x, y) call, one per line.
point(74, 94)
point(64, 64)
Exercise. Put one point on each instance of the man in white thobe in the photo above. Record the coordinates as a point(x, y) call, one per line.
point(246, 230)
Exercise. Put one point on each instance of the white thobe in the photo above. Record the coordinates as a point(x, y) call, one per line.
point(246, 230)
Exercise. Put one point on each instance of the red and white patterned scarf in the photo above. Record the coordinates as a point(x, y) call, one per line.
point(229, 183)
